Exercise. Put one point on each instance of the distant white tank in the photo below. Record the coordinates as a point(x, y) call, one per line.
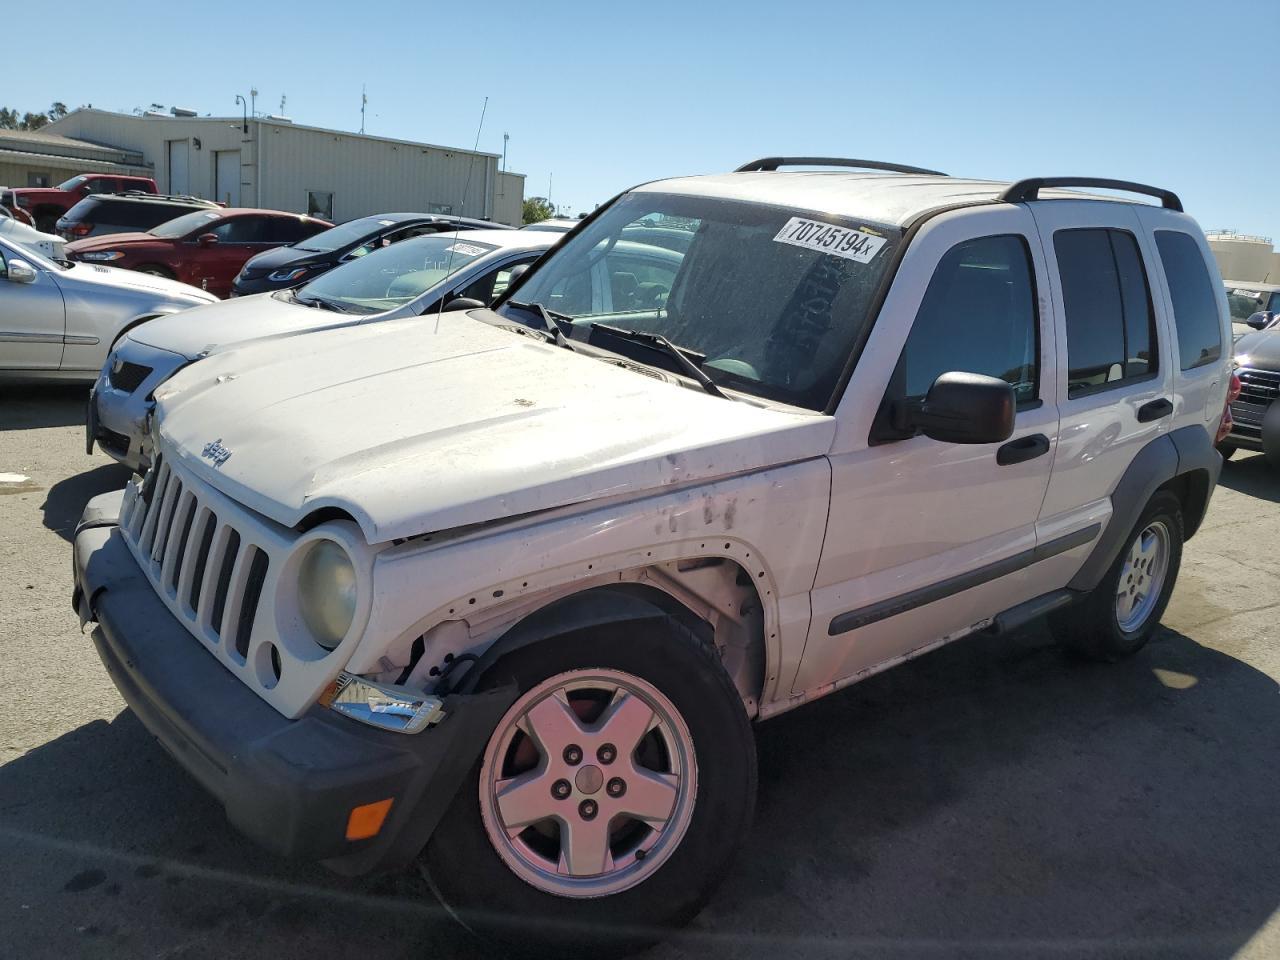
point(1242, 257)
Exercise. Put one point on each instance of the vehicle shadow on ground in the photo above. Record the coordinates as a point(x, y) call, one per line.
point(39, 406)
point(998, 798)
point(64, 503)
point(995, 798)
point(1252, 475)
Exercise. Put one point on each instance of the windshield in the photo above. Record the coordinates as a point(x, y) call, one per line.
point(1245, 302)
point(392, 276)
point(72, 183)
point(344, 235)
point(773, 298)
point(183, 225)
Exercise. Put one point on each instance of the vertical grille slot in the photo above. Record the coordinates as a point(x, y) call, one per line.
point(155, 503)
point(249, 601)
point(223, 583)
point(168, 511)
point(203, 547)
point(183, 525)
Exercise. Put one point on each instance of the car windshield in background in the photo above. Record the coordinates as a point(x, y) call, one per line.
point(773, 298)
point(1245, 302)
point(392, 276)
point(72, 183)
point(183, 225)
point(344, 235)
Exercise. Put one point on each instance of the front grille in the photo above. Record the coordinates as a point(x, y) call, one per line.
point(207, 568)
point(117, 443)
point(1258, 390)
point(127, 377)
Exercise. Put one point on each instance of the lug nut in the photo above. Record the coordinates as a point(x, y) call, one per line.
point(587, 809)
point(573, 754)
point(560, 789)
point(607, 753)
point(616, 787)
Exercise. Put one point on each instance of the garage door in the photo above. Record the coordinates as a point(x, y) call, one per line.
point(227, 177)
point(179, 166)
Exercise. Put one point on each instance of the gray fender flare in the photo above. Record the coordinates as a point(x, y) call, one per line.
point(1185, 452)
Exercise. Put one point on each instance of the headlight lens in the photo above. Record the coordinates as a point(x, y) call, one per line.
point(287, 276)
point(100, 256)
point(327, 592)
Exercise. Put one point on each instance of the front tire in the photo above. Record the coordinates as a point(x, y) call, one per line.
point(1118, 617)
point(611, 798)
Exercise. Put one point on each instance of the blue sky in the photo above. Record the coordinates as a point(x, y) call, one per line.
point(605, 95)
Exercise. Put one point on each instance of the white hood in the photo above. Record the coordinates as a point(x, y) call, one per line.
point(233, 322)
point(412, 431)
point(95, 274)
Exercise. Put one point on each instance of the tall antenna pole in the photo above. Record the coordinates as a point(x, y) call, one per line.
point(471, 162)
point(550, 180)
point(364, 99)
point(505, 138)
point(253, 101)
point(282, 100)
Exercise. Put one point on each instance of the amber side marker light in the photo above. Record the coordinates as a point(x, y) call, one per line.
point(366, 820)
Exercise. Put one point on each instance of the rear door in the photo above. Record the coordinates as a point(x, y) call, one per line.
point(32, 317)
point(1114, 388)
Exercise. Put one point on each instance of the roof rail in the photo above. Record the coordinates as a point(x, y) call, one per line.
point(773, 163)
point(1025, 190)
point(146, 195)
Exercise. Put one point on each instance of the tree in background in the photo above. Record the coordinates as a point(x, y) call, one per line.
point(10, 120)
point(536, 209)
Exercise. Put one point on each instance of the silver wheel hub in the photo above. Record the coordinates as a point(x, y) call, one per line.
point(1142, 576)
point(588, 783)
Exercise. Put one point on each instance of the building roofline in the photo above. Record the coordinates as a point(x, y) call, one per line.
point(286, 125)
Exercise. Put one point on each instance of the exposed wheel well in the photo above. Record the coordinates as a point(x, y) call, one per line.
point(129, 326)
point(713, 596)
point(159, 269)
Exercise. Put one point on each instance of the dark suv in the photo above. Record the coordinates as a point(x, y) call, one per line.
point(1255, 412)
point(130, 212)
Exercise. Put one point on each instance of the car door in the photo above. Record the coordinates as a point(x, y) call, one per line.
point(925, 539)
point(32, 315)
point(1114, 388)
point(239, 238)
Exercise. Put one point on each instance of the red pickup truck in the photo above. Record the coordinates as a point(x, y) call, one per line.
point(43, 206)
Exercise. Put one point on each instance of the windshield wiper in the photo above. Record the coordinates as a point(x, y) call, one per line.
point(550, 321)
point(322, 304)
point(661, 343)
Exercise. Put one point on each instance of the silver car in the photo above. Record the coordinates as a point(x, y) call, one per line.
point(410, 278)
point(58, 319)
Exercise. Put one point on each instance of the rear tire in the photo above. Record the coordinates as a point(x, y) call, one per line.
point(521, 887)
point(1227, 450)
point(1118, 617)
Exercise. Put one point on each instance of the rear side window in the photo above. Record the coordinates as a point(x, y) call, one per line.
point(1111, 329)
point(132, 214)
point(978, 316)
point(1195, 303)
point(286, 230)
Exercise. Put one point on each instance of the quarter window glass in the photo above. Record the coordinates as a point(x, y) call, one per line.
point(978, 316)
point(1111, 335)
point(1195, 302)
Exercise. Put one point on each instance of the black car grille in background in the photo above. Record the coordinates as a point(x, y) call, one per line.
point(1258, 390)
point(126, 376)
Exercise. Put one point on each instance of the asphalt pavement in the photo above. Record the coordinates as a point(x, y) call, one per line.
point(996, 798)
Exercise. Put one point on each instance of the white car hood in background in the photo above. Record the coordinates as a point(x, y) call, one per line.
point(229, 323)
point(95, 274)
point(412, 431)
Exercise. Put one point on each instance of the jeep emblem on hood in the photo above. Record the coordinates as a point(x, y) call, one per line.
point(216, 452)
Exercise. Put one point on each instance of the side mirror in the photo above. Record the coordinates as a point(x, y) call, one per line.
point(1261, 319)
point(20, 272)
point(967, 408)
point(462, 303)
point(207, 239)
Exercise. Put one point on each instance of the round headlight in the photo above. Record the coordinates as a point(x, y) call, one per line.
point(327, 592)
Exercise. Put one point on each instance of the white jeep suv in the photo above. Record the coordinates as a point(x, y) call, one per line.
point(506, 593)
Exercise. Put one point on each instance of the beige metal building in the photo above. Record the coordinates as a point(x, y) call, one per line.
point(43, 159)
point(1244, 258)
point(282, 165)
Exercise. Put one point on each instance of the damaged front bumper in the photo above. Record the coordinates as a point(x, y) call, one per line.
point(293, 786)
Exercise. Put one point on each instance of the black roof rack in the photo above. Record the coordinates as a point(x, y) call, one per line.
point(1029, 189)
point(773, 163)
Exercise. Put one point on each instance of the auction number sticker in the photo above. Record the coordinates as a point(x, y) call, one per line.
point(829, 238)
point(466, 249)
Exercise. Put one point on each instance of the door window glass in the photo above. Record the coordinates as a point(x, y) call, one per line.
point(240, 230)
point(978, 316)
point(492, 284)
point(1195, 302)
point(1111, 336)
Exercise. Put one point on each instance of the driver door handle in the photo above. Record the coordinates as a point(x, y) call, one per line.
point(1023, 449)
point(1155, 410)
